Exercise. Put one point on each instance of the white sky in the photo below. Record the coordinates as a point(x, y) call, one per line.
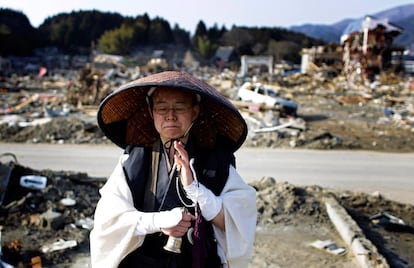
point(187, 13)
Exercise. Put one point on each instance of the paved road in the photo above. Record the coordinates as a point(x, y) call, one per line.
point(390, 174)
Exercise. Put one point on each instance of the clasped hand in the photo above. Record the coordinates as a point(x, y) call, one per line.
point(182, 227)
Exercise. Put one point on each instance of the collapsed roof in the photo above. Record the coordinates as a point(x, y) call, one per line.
point(370, 23)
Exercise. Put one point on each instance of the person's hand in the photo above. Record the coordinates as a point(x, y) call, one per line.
point(183, 163)
point(182, 227)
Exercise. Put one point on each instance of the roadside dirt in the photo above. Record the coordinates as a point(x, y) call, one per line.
point(290, 218)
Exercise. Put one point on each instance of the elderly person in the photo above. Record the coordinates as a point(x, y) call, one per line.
point(175, 198)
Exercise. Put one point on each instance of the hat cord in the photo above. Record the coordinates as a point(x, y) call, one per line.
point(169, 144)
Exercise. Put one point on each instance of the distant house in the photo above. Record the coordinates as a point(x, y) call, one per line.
point(408, 63)
point(158, 61)
point(5, 66)
point(251, 61)
point(108, 60)
point(158, 54)
point(225, 56)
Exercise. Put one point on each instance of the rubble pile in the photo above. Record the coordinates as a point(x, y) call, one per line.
point(38, 224)
point(336, 114)
point(332, 113)
point(276, 201)
point(70, 130)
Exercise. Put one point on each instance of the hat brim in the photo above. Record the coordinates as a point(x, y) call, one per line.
point(124, 118)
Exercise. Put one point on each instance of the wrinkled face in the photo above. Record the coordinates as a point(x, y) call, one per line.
point(173, 112)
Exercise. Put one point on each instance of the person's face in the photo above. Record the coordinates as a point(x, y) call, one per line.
point(173, 112)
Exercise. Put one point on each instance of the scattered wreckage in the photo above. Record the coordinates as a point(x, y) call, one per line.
point(259, 93)
point(47, 221)
point(44, 213)
point(310, 111)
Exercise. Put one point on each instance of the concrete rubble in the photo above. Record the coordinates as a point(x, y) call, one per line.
point(364, 251)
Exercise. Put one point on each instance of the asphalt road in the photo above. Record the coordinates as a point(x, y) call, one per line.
point(362, 171)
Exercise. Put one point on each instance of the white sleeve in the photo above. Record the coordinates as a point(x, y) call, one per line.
point(115, 222)
point(210, 205)
point(119, 228)
point(240, 215)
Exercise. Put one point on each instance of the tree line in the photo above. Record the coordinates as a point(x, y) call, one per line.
point(80, 31)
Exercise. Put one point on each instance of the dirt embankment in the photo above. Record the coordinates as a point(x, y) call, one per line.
point(292, 217)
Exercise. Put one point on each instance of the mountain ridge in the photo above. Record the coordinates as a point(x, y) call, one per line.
point(401, 16)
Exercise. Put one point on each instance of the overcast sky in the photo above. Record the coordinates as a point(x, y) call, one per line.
point(187, 13)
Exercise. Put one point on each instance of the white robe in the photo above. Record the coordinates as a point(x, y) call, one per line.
point(115, 234)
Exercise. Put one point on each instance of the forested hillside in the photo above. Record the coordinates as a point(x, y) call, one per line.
point(81, 31)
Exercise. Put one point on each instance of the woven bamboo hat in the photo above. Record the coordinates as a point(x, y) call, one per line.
point(124, 118)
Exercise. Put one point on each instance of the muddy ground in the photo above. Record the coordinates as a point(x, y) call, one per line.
point(290, 216)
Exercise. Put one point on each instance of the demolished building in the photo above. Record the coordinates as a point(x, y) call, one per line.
point(329, 56)
point(368, 47)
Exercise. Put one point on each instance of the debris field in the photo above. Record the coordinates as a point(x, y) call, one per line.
point(49, 225)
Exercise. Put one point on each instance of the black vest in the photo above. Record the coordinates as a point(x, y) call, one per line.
point(212, 169)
